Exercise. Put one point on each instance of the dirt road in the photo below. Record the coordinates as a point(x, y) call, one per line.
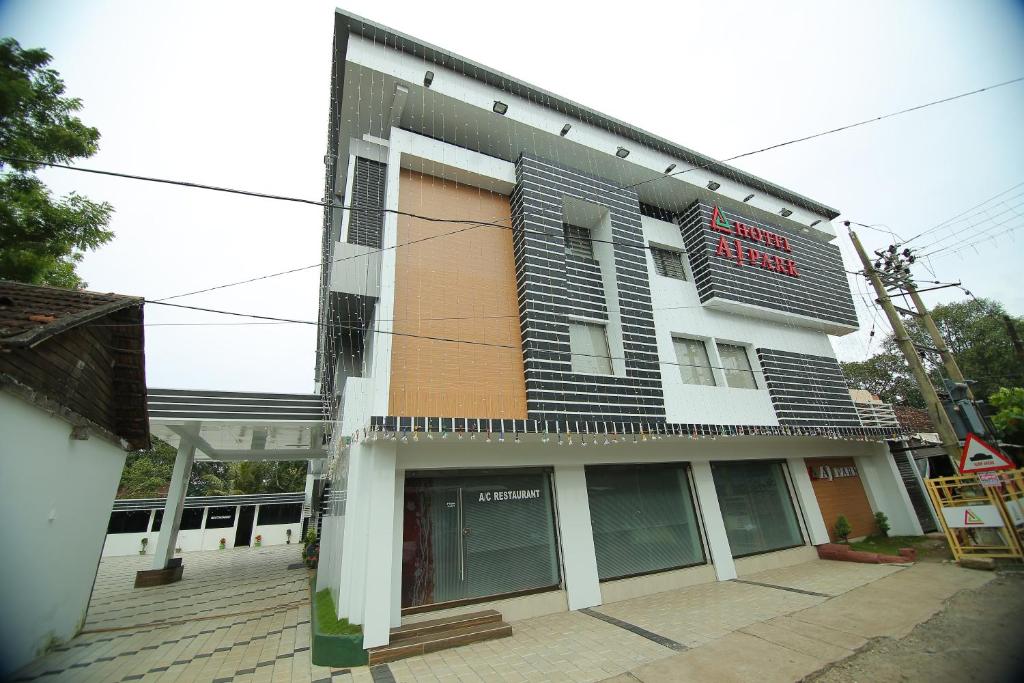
point(978, 637)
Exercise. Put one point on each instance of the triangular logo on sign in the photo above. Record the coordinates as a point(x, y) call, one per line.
point(979, 456)
point(719, 223)
point(971, 519)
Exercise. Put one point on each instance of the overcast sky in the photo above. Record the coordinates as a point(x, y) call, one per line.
point(236, 94)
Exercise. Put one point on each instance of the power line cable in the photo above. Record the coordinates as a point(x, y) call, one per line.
point(420, 336)
point(841, 128)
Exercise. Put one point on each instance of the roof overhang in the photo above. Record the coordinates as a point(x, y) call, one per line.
point(235, 426)
point(347, 23)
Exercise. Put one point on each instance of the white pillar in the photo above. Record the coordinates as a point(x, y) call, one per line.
point(396, 558)
point(714, 525)
point(175, 502)
point(886, 493)
point(817, 531)
point(577, 537)
point(357, 537)
point(380, 549)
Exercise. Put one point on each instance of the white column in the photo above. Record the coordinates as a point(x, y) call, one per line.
point(577, 537)
point(379, 552)
point(817, 530)
point(714, 525)
point(396, 557)
point(353, 541)
point(886, 493)
point(175, 502)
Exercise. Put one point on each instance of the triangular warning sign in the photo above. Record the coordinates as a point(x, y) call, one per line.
point(971, 519)
point(719, 223)
point(979, 456)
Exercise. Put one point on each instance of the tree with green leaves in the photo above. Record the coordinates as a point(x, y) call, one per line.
point(42, 238)
point(976, 334)
point(1009, 418)
point(147, 474)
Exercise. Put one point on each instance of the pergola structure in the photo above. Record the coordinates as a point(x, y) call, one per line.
point(225, 426)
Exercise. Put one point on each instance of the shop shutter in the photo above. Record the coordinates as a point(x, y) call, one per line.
point(643, 520)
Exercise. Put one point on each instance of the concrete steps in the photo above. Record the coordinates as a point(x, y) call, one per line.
point(440, 634)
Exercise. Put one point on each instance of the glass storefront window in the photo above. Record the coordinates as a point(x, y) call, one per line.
point(476, 535)
point(643, 519)
point(756, 506)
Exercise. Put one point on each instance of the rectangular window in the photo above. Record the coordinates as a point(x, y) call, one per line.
point(366, 226)
point(668, 262)
point(191, 518)
point(128, 522)
point(643, 519)
point(477, 535)
point(588, 343)
point(220, 517)
point(694, 365)
point(285, 513)
point(756, 506)
point(736, 363)
point(578, 241)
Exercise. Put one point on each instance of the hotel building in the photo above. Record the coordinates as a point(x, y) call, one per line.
point(568, 362)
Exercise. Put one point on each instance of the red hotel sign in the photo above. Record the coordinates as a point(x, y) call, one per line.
point(744, 255)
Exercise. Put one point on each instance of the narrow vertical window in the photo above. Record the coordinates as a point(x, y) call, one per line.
point(588, 344)
point(578, 241)
point(736, 363)
point(694, 365)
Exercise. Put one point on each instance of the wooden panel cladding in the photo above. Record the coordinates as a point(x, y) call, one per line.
point(95, 370)
point(460, 287)
point(842, 495)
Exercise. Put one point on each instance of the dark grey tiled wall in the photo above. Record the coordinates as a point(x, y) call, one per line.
point(822, 290)
point(807, 391)
point(551, 287)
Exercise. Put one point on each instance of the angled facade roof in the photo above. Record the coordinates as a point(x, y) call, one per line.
point(31, 313)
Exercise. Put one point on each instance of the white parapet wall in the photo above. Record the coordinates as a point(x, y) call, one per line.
point(55, 493)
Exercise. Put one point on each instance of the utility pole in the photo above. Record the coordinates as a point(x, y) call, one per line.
point(952, 369)
point(950, 441)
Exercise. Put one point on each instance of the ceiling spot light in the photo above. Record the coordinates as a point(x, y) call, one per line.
point(500, 107)
point(671, 167)
point(814, 223)
point(565, 129)
point(622, 152)
point(712, 185)
point(748, 197)
point(428, 78)
point(786, 213)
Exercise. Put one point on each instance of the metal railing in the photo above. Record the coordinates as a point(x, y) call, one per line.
point(876, 414)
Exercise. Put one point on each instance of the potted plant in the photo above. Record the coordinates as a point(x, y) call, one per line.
point(145, 542)
point(842, 529)
point(223, 542)
point(259, 540)
point(287, 536)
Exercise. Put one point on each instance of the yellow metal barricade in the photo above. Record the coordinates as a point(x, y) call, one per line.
point(981, 521)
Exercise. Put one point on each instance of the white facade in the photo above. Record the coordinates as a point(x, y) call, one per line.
point(55, 493)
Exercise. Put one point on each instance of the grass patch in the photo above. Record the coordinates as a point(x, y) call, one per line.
point(890, 545)
point(327, 617)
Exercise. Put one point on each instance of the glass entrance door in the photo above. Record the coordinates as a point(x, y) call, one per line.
point(474, 535)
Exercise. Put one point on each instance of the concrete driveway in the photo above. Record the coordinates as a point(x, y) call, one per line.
point(243, 615)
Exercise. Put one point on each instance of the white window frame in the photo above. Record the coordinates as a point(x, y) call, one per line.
point(745, 348)
point(715, 380)
point(603, 324)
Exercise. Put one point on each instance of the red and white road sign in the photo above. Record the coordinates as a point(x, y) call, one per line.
point(979, 456)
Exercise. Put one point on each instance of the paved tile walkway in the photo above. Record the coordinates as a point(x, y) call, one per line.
point(242, 616)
